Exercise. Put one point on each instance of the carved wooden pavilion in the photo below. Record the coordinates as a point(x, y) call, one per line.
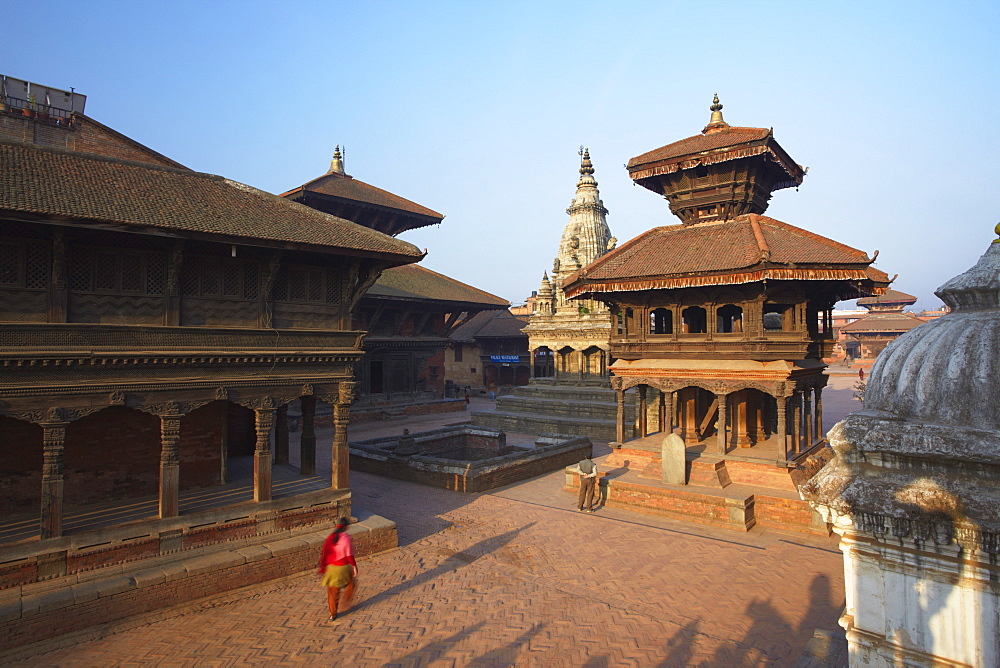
point(728, 314)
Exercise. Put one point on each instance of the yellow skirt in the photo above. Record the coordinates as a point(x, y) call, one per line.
point(338, 576)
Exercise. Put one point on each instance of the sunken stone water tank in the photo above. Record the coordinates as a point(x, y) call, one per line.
point(913, 489)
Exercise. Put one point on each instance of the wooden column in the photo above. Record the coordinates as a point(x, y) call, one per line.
point(797, 422)
point(689, 415)
point(170, 436)
point(620, 416)
point(281, 435)
point(807, 418)
point(721, 424)
point(819, 413)
point(53, 446)
point(58, 291)
point(341, 456)
point(264, 422)
point(307, 442)
point(643, 408)
point(741, 419)
point(782, 428)
point(172, 301)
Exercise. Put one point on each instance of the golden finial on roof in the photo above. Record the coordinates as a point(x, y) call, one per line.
point(337, 164)
point(997, 230)
point(586, 166)
point(716, 122)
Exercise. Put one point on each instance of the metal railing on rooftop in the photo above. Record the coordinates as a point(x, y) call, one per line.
point(33, 109)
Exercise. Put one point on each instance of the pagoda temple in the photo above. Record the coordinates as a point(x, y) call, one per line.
point(885, 322)
point(728, 314)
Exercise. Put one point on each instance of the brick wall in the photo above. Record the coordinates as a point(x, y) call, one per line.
point(20, 466)
point(112, 454)
point(201, 445)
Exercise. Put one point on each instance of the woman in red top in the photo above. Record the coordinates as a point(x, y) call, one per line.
point(337, 566)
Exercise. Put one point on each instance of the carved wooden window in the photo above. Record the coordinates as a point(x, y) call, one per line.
point(729, 319)
point(694, 320)
point(297, 283)
point(24, 264)
point(661, 321)
point(116, 271)
point(221, 277)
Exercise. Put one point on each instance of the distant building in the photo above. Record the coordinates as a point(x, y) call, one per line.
point(490, 351)
point(883, 322)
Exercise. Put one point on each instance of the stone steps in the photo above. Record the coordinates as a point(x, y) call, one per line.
point(531, 423)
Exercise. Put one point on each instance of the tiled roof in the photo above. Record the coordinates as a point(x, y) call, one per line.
point(66, 184)
point(725, 138)
point(890, 297)
point(413, 282)
point(349, 188)
point(744, 249)
point(883, 322)
point(491, 325)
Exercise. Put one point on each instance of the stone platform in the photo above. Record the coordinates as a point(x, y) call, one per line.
point(739, 490)
point(547, 405)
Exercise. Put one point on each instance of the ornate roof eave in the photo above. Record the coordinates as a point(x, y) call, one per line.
point(418, 220)
point(642, 171)
point(579, 286)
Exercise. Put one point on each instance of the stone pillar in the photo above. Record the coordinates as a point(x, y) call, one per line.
point(53, 446)
point(807, 418)
point(341, 459)
point(281, 435)
point(307, 442)
point(620, 417)
point(721, 424)
point(643, 407)
point(782, 427)
point(170, 468)
point(264, 421)
point(818, 415)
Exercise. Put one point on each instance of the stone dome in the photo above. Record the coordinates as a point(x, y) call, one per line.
point(947, 372)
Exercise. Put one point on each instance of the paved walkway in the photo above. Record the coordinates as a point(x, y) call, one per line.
point(514, 577)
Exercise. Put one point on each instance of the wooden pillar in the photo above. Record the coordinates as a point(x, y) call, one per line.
point(689, 415)
point(643, 408)
point(721, 424)
point(170, 437)
point(782, 428)
point(307, 443)
point(341, 456)
point(797, 422)
point(58, 291)
point(620, 416)
point(172, 300)
point(818, 416)
point(264, 422)
point(807, 418)
point(281, 435)
point(741, 419)
point(53, 446)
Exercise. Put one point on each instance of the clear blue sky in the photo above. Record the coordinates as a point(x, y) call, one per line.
point(477, 109)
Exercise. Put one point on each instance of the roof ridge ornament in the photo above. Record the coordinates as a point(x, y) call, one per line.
point(337, 164)
point(716, 123)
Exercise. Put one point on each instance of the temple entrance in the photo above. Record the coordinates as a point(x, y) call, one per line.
point(697, 414)
point(543, 361)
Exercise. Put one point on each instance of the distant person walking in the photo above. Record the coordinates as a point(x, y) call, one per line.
point(861, 375)
point(587, 471)
point(337, 566)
